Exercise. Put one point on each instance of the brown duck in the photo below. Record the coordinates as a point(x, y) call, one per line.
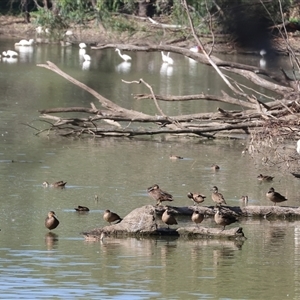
point(196, 198)
point(175, 157)
point(197, 217)
point(262, 177)
point(110, 217)
point(157, 194)
point(275, 197)
point(51, 221)
point(58, 184)
point(215, 167)
point(81, 208)
point(217, 197)
point(168, 218)
point(224, 219)
point(244, 200)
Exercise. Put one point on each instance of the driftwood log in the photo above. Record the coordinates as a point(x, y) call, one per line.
point(146, 221)
point(251, 211)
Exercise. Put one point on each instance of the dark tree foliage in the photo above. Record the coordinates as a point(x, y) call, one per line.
point(248, 21)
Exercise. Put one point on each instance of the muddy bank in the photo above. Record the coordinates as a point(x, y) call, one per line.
point(94, 34)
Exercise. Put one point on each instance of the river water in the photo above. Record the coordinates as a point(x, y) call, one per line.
point(36, 264)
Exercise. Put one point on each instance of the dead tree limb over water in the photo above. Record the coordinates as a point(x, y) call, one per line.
point(113, 120)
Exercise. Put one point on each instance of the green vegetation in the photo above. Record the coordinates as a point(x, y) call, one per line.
point(225, 16)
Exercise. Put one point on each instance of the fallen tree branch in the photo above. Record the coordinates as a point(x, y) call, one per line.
point(104, 101)
point(225, 98)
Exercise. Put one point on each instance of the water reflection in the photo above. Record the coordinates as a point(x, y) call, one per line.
point(166, 69)
point(60, 264)
point(10, 60)
point(86, 65)
point(25, 53)
point(192, 66)
point(51, 240)
point(123, 67)
point(263, 63)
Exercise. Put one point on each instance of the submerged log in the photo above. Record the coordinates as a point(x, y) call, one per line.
point(208, 233)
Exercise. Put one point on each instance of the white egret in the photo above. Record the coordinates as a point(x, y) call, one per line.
point(86, 57)
point(262, 61)
point(262, 52)
point(39, 30)
point(195, 49)
point(82, 45)
point(82, 52)
point(25, 42)
point(69, 33)
point(166, 58)
point(298, 146)
point(125, 57)
point(10, 53)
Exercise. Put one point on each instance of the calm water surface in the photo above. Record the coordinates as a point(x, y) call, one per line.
point(36, 264)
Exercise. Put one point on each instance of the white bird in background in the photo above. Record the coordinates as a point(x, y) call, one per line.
point(166, 58)
point(262, 61)
point(298, 146)
point(125, 57)
point(69, 33)
point(25, 42)
point(10, 53)
point(86, 57)
point(262, 52)
point(39, 30)
point(82, 45)
point(195, 49)
point(82, 52)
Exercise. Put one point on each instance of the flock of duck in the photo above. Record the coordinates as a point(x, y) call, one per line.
point(221, 217)
point(155, 192)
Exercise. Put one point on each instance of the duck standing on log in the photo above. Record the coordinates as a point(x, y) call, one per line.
point(217, 197)
point(223, 219)
point(275, 197)
point(110, 217)
point(196, 198)
point(159, 195)
point(197, 217)
point(168, 218)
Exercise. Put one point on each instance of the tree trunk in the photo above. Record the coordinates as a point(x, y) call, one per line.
point(146, 8)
